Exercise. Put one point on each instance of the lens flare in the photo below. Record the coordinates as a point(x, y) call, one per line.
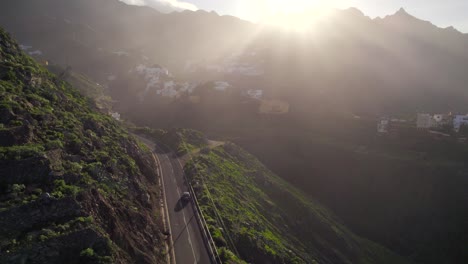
point(296, 15)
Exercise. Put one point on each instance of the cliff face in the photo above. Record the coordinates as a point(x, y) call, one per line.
point(74, 186)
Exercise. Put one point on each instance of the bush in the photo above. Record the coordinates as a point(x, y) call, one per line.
point(17, 188)
point(16, 123)
point(88, 253)
point(87, 220)
point(62, 189)
point(205, 151)
point(228, 257)
point(54, 144)
point(73, 167)
point(21, 152)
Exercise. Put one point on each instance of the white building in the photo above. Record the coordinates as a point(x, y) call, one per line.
point(115, 115)
point(439, 118)
point(255, 94)
point(382, 125)
point(459, 121)
point(425, 121)
point(221, 86)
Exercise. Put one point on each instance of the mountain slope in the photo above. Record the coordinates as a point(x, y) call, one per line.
point(346, 63)
point(352, 67)
point(89, 32)
point(163, 6)
point(74, 186)
point(254, 213)
point(406, 192)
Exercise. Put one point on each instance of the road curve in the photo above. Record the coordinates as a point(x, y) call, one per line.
point(187, 242)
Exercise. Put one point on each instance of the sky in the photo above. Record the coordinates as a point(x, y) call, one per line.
point(442, 13)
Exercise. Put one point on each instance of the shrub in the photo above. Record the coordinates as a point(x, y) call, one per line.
point(73, 167)
point(228, 257)
point(16, 123)
point(17, 188)
point(54, 144)
point(88, 253)
point(62, 189)
point(87, 220)
point(21, 152)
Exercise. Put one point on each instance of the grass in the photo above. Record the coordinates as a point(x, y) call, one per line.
point(259, 218)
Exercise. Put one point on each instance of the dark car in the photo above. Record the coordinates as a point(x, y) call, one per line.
point(186, 196)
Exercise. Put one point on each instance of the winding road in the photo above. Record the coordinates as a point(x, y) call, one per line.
point(187, 244)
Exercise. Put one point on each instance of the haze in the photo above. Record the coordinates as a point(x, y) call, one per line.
point(266, 132)
point(442, 13)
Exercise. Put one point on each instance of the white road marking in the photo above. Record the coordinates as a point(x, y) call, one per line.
point(189, 237)
point(183, 214)
point(156, 158)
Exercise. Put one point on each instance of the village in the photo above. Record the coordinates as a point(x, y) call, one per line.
point(445, 125)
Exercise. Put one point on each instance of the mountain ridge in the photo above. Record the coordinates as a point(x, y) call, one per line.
point(302, 102)
point(109, 38)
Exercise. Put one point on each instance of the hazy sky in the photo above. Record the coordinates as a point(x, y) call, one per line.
point(440, 12)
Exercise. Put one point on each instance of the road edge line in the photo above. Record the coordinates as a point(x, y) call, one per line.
point(166, 212)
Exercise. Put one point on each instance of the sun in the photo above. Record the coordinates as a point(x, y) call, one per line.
point(297, 15)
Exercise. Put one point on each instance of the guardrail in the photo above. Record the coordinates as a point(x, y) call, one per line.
point(208, 238)
point(204, 226)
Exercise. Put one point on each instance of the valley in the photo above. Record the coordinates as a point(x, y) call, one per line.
point(110, 112)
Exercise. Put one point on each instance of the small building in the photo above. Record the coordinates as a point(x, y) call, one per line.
point(459, 121)
point(438, 118)
point(255, 94)
point(383, 125)
point(115, 115)
point(425, 121)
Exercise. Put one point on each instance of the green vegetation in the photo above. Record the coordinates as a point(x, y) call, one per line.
point(58, 118)
point(183, 141)
point(89, 255)
point(89, 252)
point(65, 170)
point(21, 152)
point(86, 87)
point(255, 214)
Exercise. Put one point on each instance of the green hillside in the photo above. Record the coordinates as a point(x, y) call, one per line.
point(83, 84)
point(255, 215)
point(74, 186)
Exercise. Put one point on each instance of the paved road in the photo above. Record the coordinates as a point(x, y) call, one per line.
point(187, 240)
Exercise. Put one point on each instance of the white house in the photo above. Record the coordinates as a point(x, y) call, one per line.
point(459, 121)
point(439, 118)
point(425, 121)
point(382, 125)
point(115, 115)
point(255, 94)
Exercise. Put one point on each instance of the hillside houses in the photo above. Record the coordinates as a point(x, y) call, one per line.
point(437, 121)
point(424, 121)
point(383, 125)
point(459, 121)
point(427, 121)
